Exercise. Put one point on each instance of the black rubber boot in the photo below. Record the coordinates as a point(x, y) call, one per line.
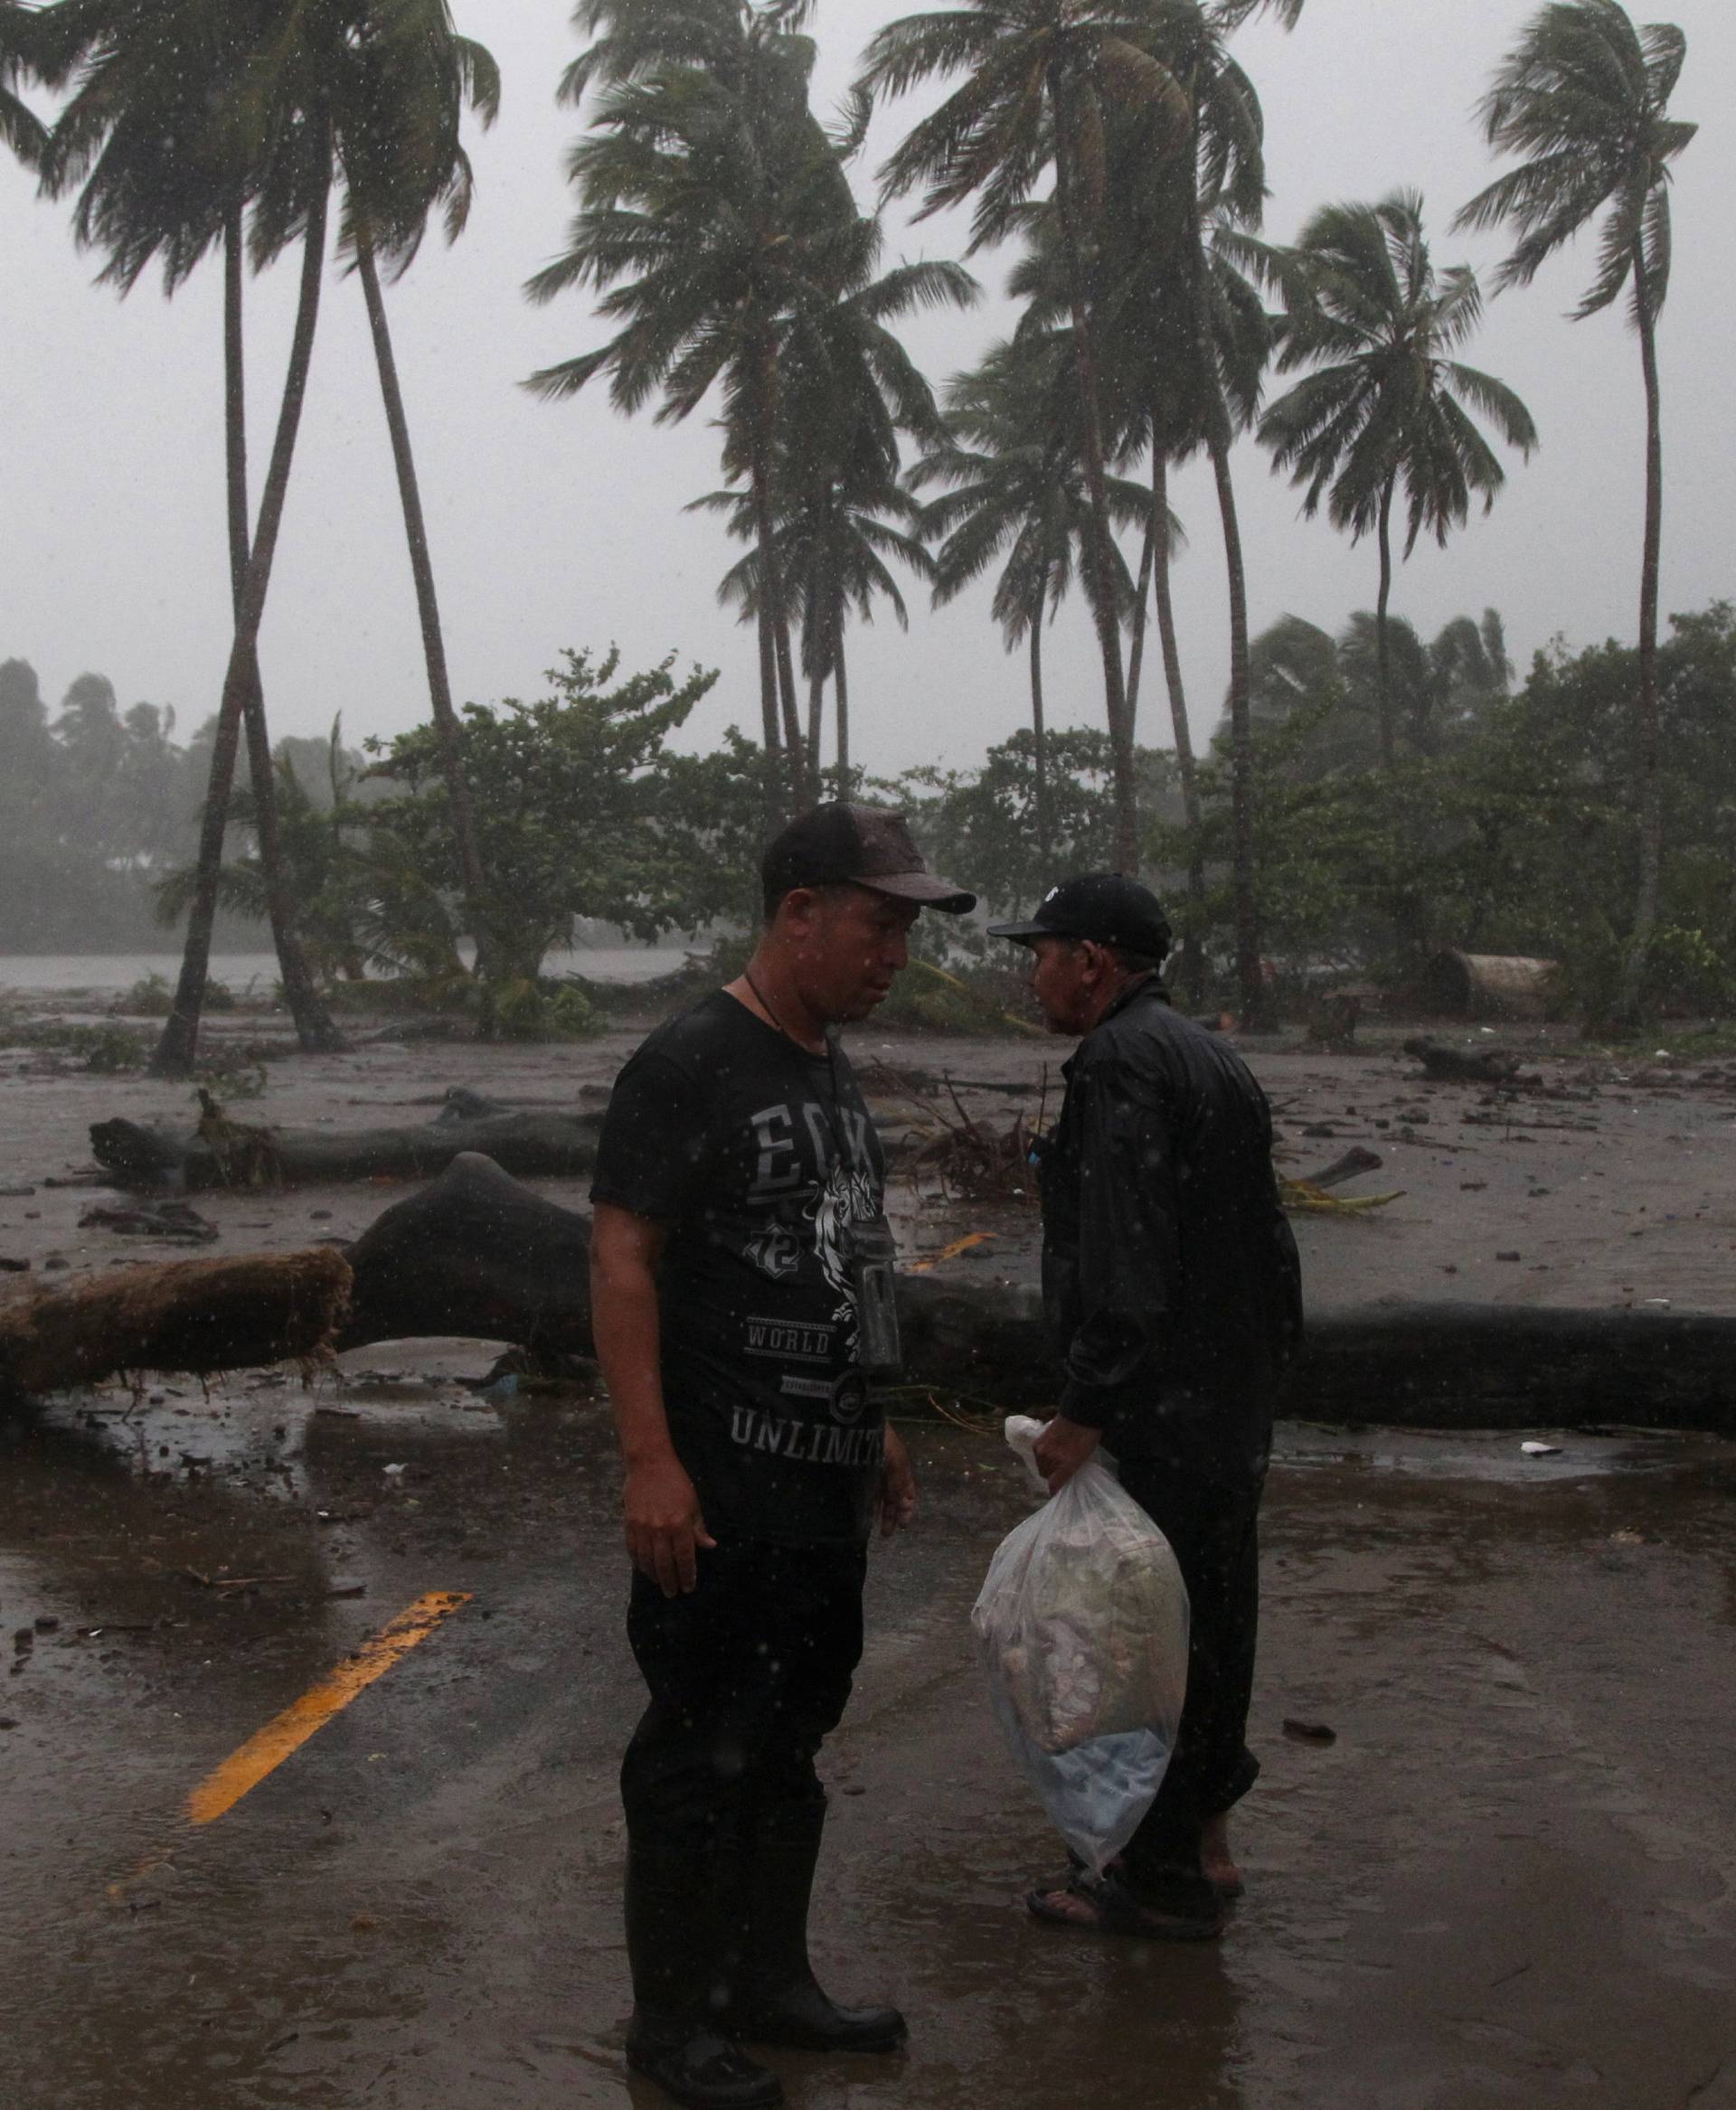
point(776, 1999)
point(674, 2038)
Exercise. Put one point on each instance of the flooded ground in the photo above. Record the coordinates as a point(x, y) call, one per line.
point(1507, 1881)
point(110, 974)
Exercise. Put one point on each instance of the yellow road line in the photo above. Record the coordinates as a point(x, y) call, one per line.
point(950, 1252)
point(268, 1748)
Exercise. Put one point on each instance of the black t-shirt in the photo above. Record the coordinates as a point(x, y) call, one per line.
point(726, 1131)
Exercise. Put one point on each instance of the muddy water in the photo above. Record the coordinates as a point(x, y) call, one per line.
point(110, 973)
point(1507, 1882)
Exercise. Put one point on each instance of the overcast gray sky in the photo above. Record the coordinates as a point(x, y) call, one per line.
point(557, 525)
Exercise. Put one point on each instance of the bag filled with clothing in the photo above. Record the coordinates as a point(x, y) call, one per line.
point(1082, 1625)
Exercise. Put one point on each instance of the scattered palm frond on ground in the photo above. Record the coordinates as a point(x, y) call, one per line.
point(1307, 1198)
point(971, 1159)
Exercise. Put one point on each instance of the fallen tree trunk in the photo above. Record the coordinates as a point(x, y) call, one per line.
point(477, 1255)
point(473, 1253)
point(199, 1316)
point(220, 1153)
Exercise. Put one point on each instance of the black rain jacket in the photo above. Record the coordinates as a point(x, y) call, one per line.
point(1170, 1277)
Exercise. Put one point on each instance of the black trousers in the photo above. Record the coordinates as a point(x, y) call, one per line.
point(1213, 1529)
point(748, 1675)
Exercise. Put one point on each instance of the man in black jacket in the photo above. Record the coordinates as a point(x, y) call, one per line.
point(1172, 1289)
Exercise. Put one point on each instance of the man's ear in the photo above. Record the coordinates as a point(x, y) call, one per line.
point(799, 906)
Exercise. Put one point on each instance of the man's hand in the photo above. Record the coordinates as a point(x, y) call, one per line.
point(897, 1487)
point(664, 1524)
point(1062, 1448)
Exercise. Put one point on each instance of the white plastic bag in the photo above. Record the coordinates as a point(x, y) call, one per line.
point(1082, 1624)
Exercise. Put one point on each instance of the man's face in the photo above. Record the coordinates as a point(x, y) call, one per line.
point(846, 943)
point(1064, 982)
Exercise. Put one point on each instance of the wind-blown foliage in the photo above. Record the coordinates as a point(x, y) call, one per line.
point(1584, 99)
point(1039, 76)
point(1014, 462)
point(714, 209)
point(1387, 406)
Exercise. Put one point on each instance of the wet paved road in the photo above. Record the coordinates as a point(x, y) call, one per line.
point(1509, 1882)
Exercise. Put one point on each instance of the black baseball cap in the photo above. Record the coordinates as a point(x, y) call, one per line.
point(1101, 906)
point(871, 846)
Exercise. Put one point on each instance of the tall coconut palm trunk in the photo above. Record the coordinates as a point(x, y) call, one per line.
point(179, 1043)
point(840, 697)
point(1382, 642)
point(313, 1023)
point(1631, 991)
point(816, 722)
point(471, 871)
point(1251, 981)
point(776, 798)
point(1193, 959)
point(1136, 635)
point(1039, 727)
point(1100, 567)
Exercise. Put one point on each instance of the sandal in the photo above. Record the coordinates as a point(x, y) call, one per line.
point(1103, 1904)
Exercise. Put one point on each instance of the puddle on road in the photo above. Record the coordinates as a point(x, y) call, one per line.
point(1497, 1455)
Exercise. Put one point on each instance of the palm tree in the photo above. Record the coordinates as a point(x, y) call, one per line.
point(1386, 404)
point(21, 57)
point(712, 208)
point(1150, 356)
point(387, 207)
point(835, 533)
point(1584, 96)
point(1040, 74)
point(157, 136)
point(848, 395)
point(1013, 460)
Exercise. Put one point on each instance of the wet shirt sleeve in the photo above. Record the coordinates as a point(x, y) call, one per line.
point(654, 1139)
point(1129, 1259)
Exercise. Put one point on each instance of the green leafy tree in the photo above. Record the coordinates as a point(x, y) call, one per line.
point(1584, 99)
point(567, 798)
point(1387, 405)
point(983, 824)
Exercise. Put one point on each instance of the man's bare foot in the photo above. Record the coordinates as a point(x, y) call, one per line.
point(1216, 1859)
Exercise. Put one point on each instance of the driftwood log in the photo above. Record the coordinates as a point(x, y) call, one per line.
point(195, 1315)
point(529, 1142)
point(1444, 1065)
point(1491, 985)
point(476, 1254)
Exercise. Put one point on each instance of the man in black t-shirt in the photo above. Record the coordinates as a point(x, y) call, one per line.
point(740, 1283)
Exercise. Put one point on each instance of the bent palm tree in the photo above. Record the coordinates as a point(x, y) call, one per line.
point(162, 135)
point(1040, 73)
point(713, 207)
point(1387, 403)
point(848, 393)
point(23, 56)
point(387, 208)
point(1584, 96)
point(1015, 461)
